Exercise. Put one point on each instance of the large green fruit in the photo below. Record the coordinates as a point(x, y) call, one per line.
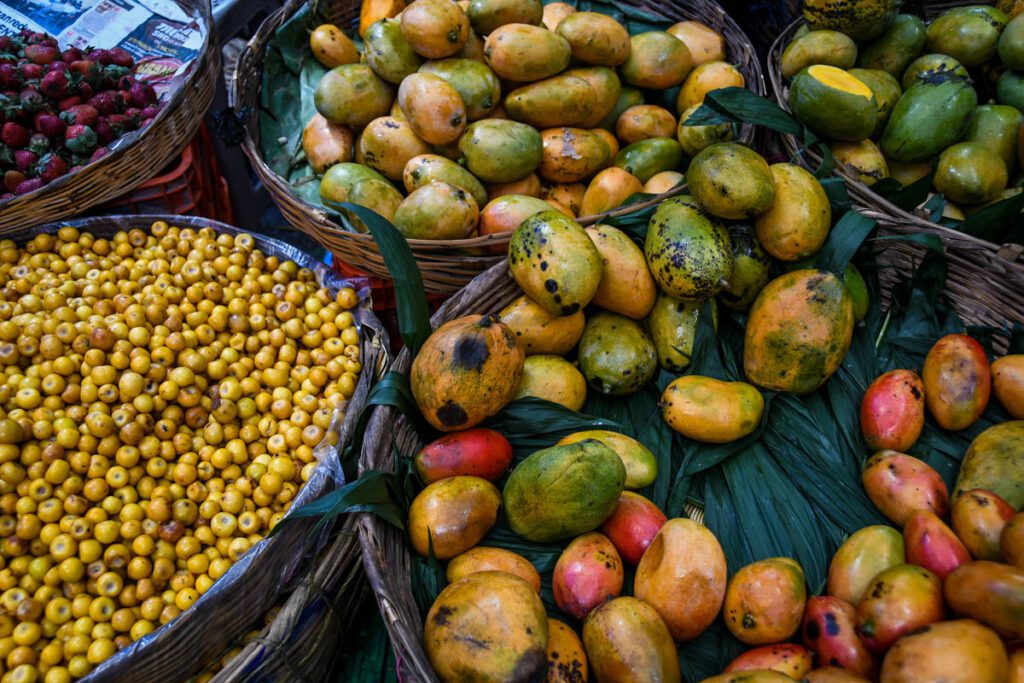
point(352, 94)
point(687, 251)
point(929, 117)
point(555, 262)
point(673, 327)
point(501, 151)
point(995, 462)
point(887, 92)
point(932, 67)
point(557, 101)
point(798, 332)
point(563, 491)
point(1011, 44)
point(896, 48)
point(996, 126)
point(1010, 89)
point(647, 158)
point(833, 103)
point(476, 84)
point(731, 181)
point(968, 34)
point(616, 356)
point(751, 268)
point(388, 53)
point(859, 19)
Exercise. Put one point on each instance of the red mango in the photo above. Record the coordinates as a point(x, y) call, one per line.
point(899, 600)
point(588, 573)
point(793, 660)
point(477, 452)
point(633, 525)
point(829, 629)
point(933, 545)
point(900, 484)
point(892, 411)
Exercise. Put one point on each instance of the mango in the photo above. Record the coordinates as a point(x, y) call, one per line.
point(900, 484)
point(829, 630)
point(909, 173)
point(996, 127)
point(704, 43)
point(833, 674)
point(488, 15)
point(615, 354)
point(633, 525)
point(466, 371)
point(437, 211)
point(607, 191)
point(628, 97)
point(968, 34)
point(932, 68)
point(661, 183)
point(831, 48)
point(452, 515)
point(896, 47)
point(567, 660)
point(929, 117)
point(563, 491)
point(860, 558)
point(792, 660)
point(833, 104)
point(657, 60)
point(571, 154)
point(372, 11)
point(473, 49)
point(1010, 90)
point(1011, 541)
point(607, 89)
point(1008, 383)
point(645, 121)
point(646, 158)
point(477, 85)
point(754, 676)
point(899, 600)
point(379, 196)
point(435, 28)
point(483, 559)
point(352, 95)
point(539, 332)
point(341, 178)
point(521, 52)
point(588, 573)
point(961, 651)
point(1011, 45)
point(731, 181)
point(683, 575)
point(957, 381)
point(326, 144)
point(994, 462)
point(1016, 666)
point(478, 452)
point(554, 13)
point(863, 159)
point(970, 173)
point(626, 640)
point(557, 101)
point(978, 518)
point(798, 332)
point(495, 608)
point(387, 144)
point(626, 286)
point(555, 263)
point(641, 467)
point(595, 38)
point(687, 251)
point(765, 600)
point(859, 20)
point(553, 379)
point(424, 169)
point(673, 328)
point(706, 78)
point(693, 139)
point(887, 91)
point(500, 151)
point(892, 411)
point(933, 545)
point(506, 213)
point(433, 108)
point(567, 194)
point(751, 269)
point(797, 221)
point(710, 410)
point(611, 141)
point(991, 593)
point(388, 53)
point(331, 47)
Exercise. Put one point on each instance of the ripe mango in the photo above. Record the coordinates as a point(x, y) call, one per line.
point(900, 484)
point(452, 515)
point(961, 651)
point(710, 410)
point(626, 640)
point(765, 600)
point(588, 573)
point(641, 467)
point(626, 286)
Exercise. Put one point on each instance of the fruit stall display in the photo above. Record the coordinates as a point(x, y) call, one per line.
point(81, 126)
point(456, 122)
point(922, 113)
point(172, 389)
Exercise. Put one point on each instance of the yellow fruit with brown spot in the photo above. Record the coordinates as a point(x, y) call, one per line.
point(682, 575)
point(961, 651)
point(466, 371)
point(705, 43)
point(731, 181)
point(498, 610)
point(796, 224)
point(626, 285)
point(387, 144)
point(595, 38)
point(567, 194)
point(484, 559)
point(554, 379)
point(645, 121)
point(571, 154)
point(863, 159)
point(567, 660)
point(326, 144)
point(433, 108)
point(452, 515)
point(627, 640)
point(662, 182)
point(521, 52)
point(435, 28)
point(705, 78)
point(331, 47)
point(437, 211)
point(764, 602)
point(539, 332)
point(710, 410)
point(609, 190)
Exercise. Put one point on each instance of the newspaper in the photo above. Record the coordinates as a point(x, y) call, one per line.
point(159, 34)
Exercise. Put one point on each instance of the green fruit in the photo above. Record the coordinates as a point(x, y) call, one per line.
point(1010, 89)
point(968, 34)
point(649, 157)
point(1011, 44)
point(731, 181)
point(427, 168)
point(615, 354)
point(833, 103)
point(476, 84)
point(859, 19)
point(996, 126)
point(352, 94)
point(687, 251)
point(437, 211)
point(695, 138)
point(930, 116)
point(970, 173)
point(340, 178)
point(487, 15)
point(673, 327)
point(896, 48)
point(628, 97)
point(501, 151)
point(563, 491)
point(887, 93)
point(607, 89)
point(751, 269)
point(657, 60)
point(555, 262)
point(521, 52)
point(995, 462)
point(388, 53)
point(557, 101)
point(818, 47)
point(858, 290)
point(932, 68)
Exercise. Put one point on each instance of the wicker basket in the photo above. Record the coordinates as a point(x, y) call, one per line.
point(183, 646)
point(445, 265)
point(998, 264)
point(132, 163)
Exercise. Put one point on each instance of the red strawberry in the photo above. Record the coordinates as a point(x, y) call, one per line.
point(14, 135)
point(55, 85)
point(84, 90)
point(102, 56)
point(80, 139)
point(24, 160)
point(30, 185)
point(31, 101)
point(126, 82)
point(10, 76)
point(70, 55)
point(57, 65)
point(41, 53)
point(8, 44)
point(32, 72)
point(89, 71)
point(51, 167)
point(132, 112)
point(141, 95)
point(105, 102)
point(121, 57)
point(12, 179)
point(83, 114)
point(120, 123)
point(151, 111)
point(104, 132)
point(50, 125)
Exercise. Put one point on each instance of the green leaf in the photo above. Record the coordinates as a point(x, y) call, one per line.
point(928, 239)
point(843, 242)
point(373, 492)
point(999, 222)
point(739, 105)
point(907, 197)
point(392, 390)
point(838, 195)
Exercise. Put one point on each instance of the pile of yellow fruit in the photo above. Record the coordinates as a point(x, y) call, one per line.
point(161, 399)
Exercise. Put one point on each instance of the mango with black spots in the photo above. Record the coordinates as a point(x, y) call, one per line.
point(487, 626)
point(567, 660)
point(818, 47)
point(710, 410)
point(864, 159)
point(932, 67)
point(595, 38)
point(765, 600)
point(387, 144)
point(896, 47)
point(957, 382)
point(695, 138)
point(387, 52)
point(970, 173)
point(997, 126)
point(331, 47)
point(798, 332)
point(829, 631)
point(647, 158)
point(552, 378)
point(325, 143)
point(555, 262)
point(930, 116)
point(539, 332)
point(563, 491)
point(859, 19)
point(452, 515)
point(437, 211)
point(995, 462)
point(968, 34)
point(657, 60)
point(887, 91)
point(731, 181)
point(687, 251)
point(616, 356)
point(588, 573)
point(795, 661)
point(797, 222)
point(424, 169)
point(501, 151)
point(476, 84)
point(557, 101)
point(353, 95)
point(626, 286)
point(627, 640)
point(673, 327)
point(488, 15)
point(521, 52)
point(751, 268)
point(833, 104)
point(466, 371)
point(898, 601)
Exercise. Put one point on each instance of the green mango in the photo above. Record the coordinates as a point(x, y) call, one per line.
point(932, 114)
point(1011, 44)
point(834, 104)
point(932, 67)
point(628, 97)
point(995, 462)
point(1010, 89)
point(501, 151)
point(563, 491)
point(388, 53)
point(616, 356)
point(751, 269)
point(487, 15)
point(673, 327)
point(687, 251)
point(996, 126)
point(437, 211)
point(557, 101)
point(887, 93)
point(353, 95)
point(646, 158)
point(693, 139)
point(896, 48)
point(476, 84)
point(427, 168)
point(968, 34)
point(818, 47)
